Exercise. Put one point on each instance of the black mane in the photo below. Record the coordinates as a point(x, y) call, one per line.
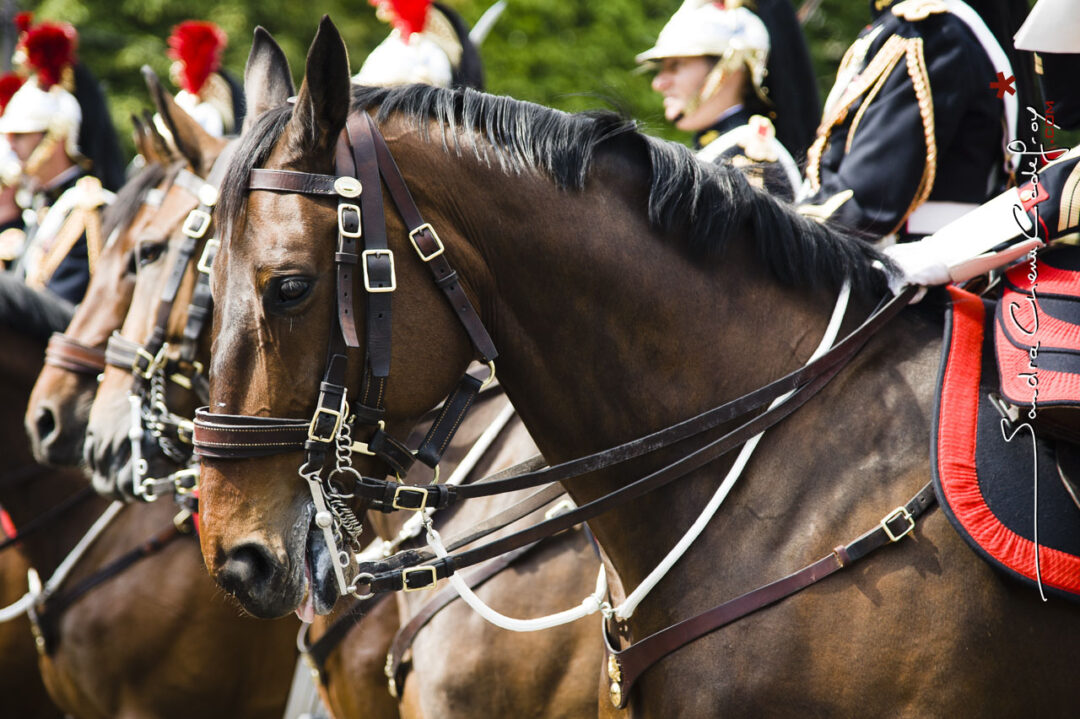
point(708, 203)
point(30, 312)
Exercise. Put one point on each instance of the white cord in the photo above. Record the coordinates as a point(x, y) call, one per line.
point(19, 608)
point(626, 609)
point(596, 601)
point(590, 605)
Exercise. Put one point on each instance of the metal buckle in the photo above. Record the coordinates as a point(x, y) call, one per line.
point(898, 512)
point(206, 259)
point(152, 362)
point(196, 224)
point(417, 570)
point(341, 220)
point(393, 274)
point(407, 489)
point(337, 414)
point(362, 447)
point(435, 235)
point(348, 186)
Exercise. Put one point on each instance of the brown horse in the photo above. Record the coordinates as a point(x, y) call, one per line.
point(628, 287)
point(60, 403)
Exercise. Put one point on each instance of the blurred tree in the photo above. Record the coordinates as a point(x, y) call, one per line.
point(569, 54)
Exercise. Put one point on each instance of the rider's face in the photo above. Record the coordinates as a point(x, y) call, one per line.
point(24, 143)
point(680, 81)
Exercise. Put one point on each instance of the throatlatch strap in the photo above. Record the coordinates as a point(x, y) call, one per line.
point(450, 417)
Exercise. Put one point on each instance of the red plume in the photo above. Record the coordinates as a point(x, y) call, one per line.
point(50, 49)
point(197, 46)
point(9, 85)
point(24, 20)
point(409, 16)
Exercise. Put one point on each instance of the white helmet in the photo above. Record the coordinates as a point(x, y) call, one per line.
point(1052, 27)
point(54, 111)
point(704, 28)
point(425, 57)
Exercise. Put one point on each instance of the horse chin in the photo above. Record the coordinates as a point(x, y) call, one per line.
point(322, 586)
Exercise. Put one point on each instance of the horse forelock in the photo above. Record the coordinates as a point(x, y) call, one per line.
point(708, 205)
point(122, 210)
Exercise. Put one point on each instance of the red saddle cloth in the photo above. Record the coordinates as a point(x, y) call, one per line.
point(989, 470)
point(1037, 339)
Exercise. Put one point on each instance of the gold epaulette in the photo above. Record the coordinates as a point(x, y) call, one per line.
point(916, 10)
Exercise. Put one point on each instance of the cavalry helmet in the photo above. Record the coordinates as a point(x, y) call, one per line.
point(727, 31)
point(206, 92)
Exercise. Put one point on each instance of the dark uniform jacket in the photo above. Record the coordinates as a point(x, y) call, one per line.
point(917, 121)
point(736, 140)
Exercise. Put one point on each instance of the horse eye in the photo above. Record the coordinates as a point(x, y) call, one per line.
point(287, 292)
point(149, 252)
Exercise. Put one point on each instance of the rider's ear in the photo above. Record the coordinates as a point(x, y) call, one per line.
point(322, 106)
point(268, 80)
point(197, 145)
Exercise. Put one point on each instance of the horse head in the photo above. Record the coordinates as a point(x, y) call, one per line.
point(277, 292)
point(150, 344)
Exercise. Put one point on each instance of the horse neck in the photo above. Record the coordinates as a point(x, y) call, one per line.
point(608, 330)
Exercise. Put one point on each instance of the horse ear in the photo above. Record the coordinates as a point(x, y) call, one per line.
point(268, 80)
point(322, 107)
point(142, 143)
point(196, 145)
point(165, 151)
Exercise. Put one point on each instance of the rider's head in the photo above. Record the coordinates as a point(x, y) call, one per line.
point(42, 119)
point(709, 58)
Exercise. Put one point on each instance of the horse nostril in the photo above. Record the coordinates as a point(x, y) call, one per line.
point(247, 569)
point(45, 423)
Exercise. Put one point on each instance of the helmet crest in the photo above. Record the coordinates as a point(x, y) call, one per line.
point(50, 50)
point(197, 47)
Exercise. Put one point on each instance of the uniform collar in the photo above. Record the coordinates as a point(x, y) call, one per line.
point(733, 117)
point(61, 184)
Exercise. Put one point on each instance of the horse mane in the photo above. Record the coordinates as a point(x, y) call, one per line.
point(130, 197)
point(708, 204)
point(30, 312)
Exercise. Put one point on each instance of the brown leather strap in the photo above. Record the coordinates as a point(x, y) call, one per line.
point(624, 667)
point(229, 436)
point(321, 649)
point(397, 659)
point(306, 183)
point(68, 353)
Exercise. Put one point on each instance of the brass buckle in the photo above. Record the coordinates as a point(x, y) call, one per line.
point(898, 512)
point(367, 280)
point(337, 414)
point(152, 362)
point(416, 570)
point(196, 224)
point(206, 259)
point(341, 220)
point(407, 489)
point(362, 447)
point(435, 235)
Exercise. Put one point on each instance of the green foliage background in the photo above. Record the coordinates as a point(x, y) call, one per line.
point(569, 54)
